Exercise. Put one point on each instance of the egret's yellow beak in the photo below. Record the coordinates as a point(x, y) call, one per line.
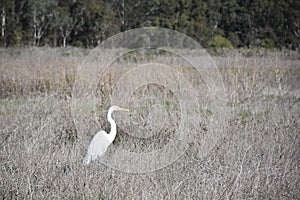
point(123, 109)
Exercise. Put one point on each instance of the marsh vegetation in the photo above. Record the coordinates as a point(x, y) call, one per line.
point(257, 156)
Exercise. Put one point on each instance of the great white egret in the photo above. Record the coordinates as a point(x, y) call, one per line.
point(102, 140)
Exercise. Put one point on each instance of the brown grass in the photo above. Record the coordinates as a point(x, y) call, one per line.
point(41, 150)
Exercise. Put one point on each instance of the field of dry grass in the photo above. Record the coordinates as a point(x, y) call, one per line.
point(257, 157)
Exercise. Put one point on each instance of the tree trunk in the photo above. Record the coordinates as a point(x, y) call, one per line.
point(64, 42)
point(34, 28)
point(3, 22)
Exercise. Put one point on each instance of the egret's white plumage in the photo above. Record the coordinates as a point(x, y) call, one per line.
point(102, 140)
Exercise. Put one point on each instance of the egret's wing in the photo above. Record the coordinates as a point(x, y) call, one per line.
point(97, 147)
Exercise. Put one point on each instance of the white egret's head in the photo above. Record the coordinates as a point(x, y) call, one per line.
point(113, 108)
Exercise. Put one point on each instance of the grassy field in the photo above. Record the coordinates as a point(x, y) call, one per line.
point(257, 157)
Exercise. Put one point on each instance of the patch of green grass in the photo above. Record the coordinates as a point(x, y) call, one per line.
point(245, 114)
point(206, 112)
point(167, 103)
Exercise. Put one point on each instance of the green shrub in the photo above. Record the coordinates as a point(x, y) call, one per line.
point(221, 42)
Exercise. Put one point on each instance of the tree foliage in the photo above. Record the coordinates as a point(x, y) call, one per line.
point(86, 23)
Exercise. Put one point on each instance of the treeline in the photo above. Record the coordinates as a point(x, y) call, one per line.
point(213, 23)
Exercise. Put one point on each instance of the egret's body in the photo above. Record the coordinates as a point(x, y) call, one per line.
point(102, 140)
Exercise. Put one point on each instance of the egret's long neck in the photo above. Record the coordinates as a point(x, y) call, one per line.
point(113, 130)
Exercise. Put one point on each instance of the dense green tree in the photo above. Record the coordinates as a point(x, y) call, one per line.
point(291, 27)
point(9, 31)
point(86, 23)
point(63, 22)
point(42, 18)
point(92, 22)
